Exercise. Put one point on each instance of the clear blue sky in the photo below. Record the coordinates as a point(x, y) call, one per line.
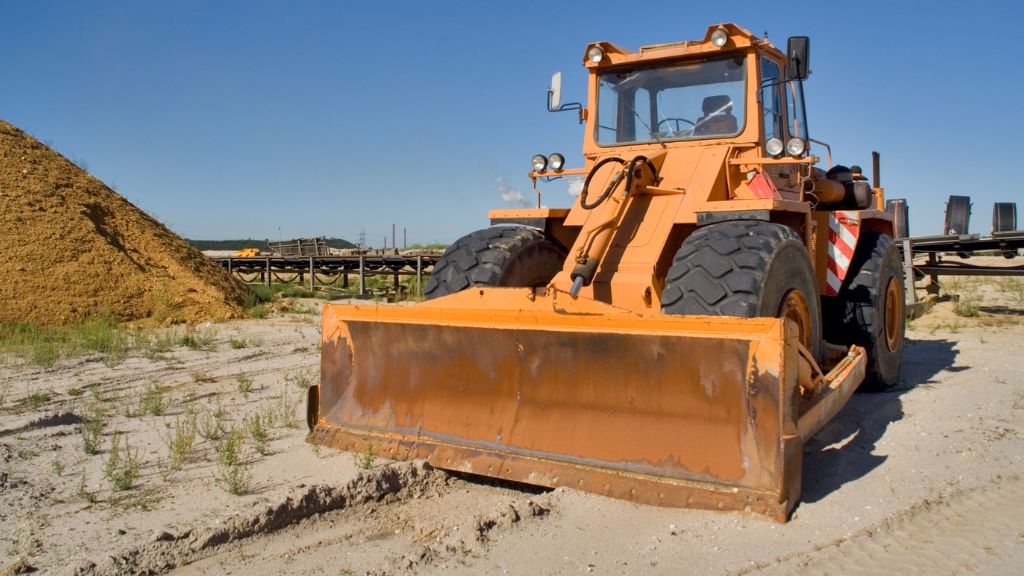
point(235, 119)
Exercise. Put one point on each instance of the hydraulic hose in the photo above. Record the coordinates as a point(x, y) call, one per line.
point(608, 189)
point(630, 168)
point(593, 250)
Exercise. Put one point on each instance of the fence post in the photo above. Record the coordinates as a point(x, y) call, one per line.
point(419, 276)
point(362, 274)
point(268, 271)
point(311, 273)
point(908, 269)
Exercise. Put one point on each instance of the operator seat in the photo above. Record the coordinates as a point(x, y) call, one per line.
point(717, 119)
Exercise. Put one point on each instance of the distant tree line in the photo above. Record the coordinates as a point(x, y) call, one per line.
point(252, 243)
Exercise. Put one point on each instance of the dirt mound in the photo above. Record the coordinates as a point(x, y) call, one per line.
point(71, 248)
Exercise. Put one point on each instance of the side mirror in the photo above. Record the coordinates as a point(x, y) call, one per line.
point(798, 57)
point(555, 92)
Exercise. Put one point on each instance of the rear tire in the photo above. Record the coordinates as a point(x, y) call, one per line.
point(958, 215)
point(870, 310)
point(508, 256)
point(746, 268)
point(1004, 217)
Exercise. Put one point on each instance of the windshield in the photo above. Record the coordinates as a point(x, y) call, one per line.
point(681, 102)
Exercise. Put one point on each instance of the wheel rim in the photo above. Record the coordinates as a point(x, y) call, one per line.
point(794, 307)
point(893, 314)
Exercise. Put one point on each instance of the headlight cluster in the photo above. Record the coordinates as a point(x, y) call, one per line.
point(795, 147)
point(555, 162)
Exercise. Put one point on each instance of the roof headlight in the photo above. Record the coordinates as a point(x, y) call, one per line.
point(595, 54)
point(773, 147)
point(556, 162)
point(539, 163)
point(719, 37)
point(795, 147)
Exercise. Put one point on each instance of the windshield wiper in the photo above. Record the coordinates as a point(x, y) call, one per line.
point(649, 131)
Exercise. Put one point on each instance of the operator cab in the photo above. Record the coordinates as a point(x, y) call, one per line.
point(686, 101)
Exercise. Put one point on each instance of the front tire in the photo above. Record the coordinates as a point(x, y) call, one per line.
point(509, 256)
point(746, 268)
point(870, 309)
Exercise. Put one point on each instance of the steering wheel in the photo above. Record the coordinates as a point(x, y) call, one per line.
point(677, 121)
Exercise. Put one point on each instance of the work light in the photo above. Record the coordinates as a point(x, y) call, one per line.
point(556, 161)
point(795, 147)
point(719, 37)
point(539, 163)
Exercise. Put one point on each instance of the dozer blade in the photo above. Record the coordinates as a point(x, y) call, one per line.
point(542, 389)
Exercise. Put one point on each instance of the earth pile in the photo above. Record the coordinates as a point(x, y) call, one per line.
point(72, 248)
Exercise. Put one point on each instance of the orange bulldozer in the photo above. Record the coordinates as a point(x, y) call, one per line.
point(709, 302)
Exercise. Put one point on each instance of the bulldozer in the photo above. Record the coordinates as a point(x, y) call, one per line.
point(712, 298)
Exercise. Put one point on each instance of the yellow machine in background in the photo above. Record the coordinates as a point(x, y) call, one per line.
point(247, 253)
point(708, 303)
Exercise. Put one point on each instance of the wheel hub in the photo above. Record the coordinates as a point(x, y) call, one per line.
point(794, 307)
point(893, 314)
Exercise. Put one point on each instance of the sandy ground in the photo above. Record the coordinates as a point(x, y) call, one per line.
point(924, 479)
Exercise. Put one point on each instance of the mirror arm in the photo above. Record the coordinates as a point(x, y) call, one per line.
point(565, 107)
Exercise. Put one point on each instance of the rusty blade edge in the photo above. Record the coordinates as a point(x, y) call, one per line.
point(625, 485)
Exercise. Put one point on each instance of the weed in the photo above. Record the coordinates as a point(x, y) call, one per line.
point(954, 285)
point(965, 306)
point(1013, 286)
point(35, 400)
point(259, 312)
point(303, 379)
point(229, 449)
point(209, 427)
point(58, 466)
point(75, 392)
point(45, 354)
point(258, 294)
point(160, 343)
point(244, 383)
point(102, 334)
point(220, 413)
point(40, 345)
point(295, 291)
point(365, 460)
point(286, 410)
point(122, 469)
point(257, 430)
point(269, 414)
point(153, 401)
point(83, 492)
point(199, 340)
point(230, 469)
point(238, 343)
point(181, 441)
point(92, 429)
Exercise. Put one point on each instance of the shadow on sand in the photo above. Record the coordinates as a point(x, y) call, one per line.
point(842, 450)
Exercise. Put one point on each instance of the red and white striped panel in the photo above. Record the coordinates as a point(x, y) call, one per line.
point(843, 231)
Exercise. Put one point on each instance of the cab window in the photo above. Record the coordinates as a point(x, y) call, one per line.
point(771, 101)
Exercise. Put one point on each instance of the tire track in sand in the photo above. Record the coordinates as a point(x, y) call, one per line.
point(951, 534)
